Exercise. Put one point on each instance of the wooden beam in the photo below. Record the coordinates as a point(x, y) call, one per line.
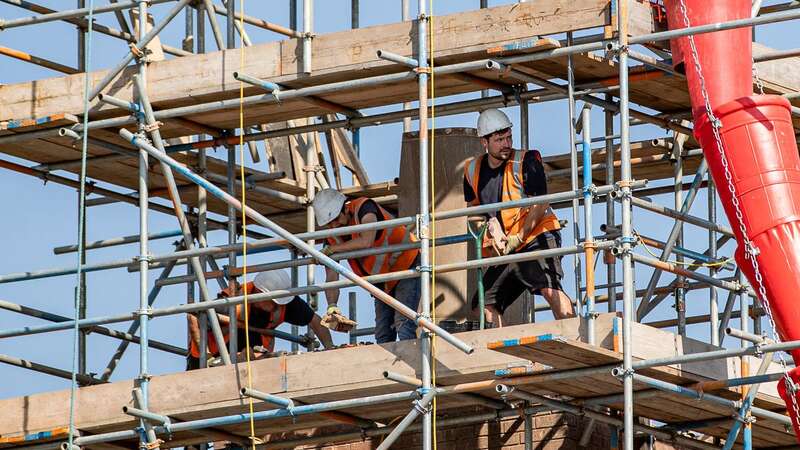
point(337, 56)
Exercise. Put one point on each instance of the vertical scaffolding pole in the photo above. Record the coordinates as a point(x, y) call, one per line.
point(589, 313)
point(293, 14)
point(295, 274)
point(308, 31)
point(311, 223)
point(611, 266)
point(628, 286)
point(82, 290)
point(201, 28)
point(573, 176)
point(680, 291)
point(713, 305)
point(188, 38)
point(81, 41)
point(230, 24)
point(354, 23)
point(405, 15)
point(144, 307)
point(529, 303)
point(744, 305)
point(232, 217)
point(202, 197)
point(423, 228)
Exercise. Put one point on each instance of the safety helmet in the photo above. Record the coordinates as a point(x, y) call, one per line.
point(327, 205)
point(492, 120)
point(274, 280)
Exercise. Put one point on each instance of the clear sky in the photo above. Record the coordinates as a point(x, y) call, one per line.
point(39, 217)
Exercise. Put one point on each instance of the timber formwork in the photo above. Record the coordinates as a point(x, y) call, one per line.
point(517, 53)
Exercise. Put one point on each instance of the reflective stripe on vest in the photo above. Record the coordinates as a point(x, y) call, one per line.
point(384, 262)
point(513, 188)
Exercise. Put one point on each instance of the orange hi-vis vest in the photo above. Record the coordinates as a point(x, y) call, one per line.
point(384, 262)
point(276, 318)
point(513, 189)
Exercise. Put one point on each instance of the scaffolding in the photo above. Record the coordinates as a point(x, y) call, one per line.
point(563, 69)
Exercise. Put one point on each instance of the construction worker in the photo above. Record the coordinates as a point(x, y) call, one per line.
point(262, 317)
point(503, 174)
point(332, 210)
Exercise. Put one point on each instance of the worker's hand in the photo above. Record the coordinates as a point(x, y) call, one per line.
point(335, 321)
point(513, 243)
point(327, 250)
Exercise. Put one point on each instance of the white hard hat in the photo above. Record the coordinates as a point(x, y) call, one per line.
point(327, 205)
point(274, 280)
point(492, 120)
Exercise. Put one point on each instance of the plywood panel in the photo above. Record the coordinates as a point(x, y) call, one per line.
point(453, 148)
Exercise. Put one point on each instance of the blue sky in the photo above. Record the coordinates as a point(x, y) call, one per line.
point(40, 217)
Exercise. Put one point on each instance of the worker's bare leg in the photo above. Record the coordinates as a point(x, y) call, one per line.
point(493, 316)
point(560, 303)
point(322, 333)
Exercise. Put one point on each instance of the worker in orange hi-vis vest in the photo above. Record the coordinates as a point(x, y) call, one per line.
point(332, 210)
point(503, 174)
point(262, 317)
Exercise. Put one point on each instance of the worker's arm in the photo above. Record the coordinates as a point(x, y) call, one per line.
point(535, 184)
point(331, 295)
point(362, 241)
point(194, 329)
point(535, 214)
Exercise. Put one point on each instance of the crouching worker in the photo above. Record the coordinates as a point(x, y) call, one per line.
point(503, 174)
point(332, 210)
point(262, 317)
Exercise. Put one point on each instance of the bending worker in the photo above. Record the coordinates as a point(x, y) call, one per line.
point(262, 317)
point(503, 174)
point(332, 210)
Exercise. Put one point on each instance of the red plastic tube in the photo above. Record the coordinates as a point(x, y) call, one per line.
point(725, 56)
point(764, 168)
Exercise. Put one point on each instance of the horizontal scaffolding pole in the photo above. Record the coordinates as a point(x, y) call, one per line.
point(93, 189)
point(558, 405)
point(116, 241)
point(677, 270)
point(406, 221)
point(298, 262)
point(234, 419)
point(83, 23)
point(121, 335)
point(73, 13)
point(262, 297)
point(27, 57)
point(691, 393)
point(260, 23)
point(677, 215)
point(36, 367)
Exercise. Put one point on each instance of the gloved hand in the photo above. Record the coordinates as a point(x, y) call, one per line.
point(513, 243)
point(334, 320)
point(327, 250)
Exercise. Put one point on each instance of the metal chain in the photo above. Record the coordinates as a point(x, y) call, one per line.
point(751, 252)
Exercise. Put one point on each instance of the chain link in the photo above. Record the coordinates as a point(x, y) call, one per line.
point(751, 252)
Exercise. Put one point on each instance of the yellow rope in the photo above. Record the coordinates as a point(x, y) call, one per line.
point(680, 263)
point(431, 168)
point(253, 438)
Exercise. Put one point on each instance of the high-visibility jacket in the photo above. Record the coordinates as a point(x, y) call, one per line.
point(384, 262)
point(513, 188)
point(258, 318)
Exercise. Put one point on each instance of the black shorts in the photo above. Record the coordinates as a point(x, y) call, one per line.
point(503, 284)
